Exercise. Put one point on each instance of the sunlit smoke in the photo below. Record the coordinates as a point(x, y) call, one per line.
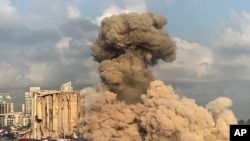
point(127, 44)
point(130, 105)
point(162, 116)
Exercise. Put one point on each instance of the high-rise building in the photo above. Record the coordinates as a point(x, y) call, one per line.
point(23, 108)
point(6, 103)
point(34, 89)
point(28, 99)
point(27, 107)
point(66, 87)
point(6, 110)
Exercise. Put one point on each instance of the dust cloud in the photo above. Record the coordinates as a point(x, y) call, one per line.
point(127, 44)
point(130, 105)
point(162, 116)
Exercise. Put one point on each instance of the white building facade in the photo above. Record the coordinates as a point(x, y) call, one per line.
point(6, 110)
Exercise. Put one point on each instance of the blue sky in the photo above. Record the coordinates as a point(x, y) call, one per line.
point(46, 43)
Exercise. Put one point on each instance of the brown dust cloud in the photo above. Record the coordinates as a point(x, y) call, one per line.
point(130, 105)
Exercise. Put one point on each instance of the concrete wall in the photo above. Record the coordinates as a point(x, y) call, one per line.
point(54, 113)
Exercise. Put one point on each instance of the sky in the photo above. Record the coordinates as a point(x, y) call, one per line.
point(47, 43)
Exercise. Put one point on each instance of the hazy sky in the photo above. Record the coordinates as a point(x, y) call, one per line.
point(46, 43)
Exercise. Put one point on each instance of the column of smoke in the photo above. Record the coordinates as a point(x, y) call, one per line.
point(127, 44)
point(132, 106)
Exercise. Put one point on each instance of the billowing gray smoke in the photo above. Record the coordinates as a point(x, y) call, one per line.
point(127, 44)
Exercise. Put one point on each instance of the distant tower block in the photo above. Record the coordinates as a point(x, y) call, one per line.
point(34, 89)
point(23, 108)
point(66, 87)
point(28, 96)
point(6, 103)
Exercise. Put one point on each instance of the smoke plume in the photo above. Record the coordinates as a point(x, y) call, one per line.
point(131, 105)
point(162, 116)
point(127, 44)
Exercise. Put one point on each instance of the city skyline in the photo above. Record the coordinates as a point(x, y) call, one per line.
point(27, 95)
point(47, 43)
point(41, 105)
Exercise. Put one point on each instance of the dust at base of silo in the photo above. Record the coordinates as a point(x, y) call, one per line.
point(162, 116)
